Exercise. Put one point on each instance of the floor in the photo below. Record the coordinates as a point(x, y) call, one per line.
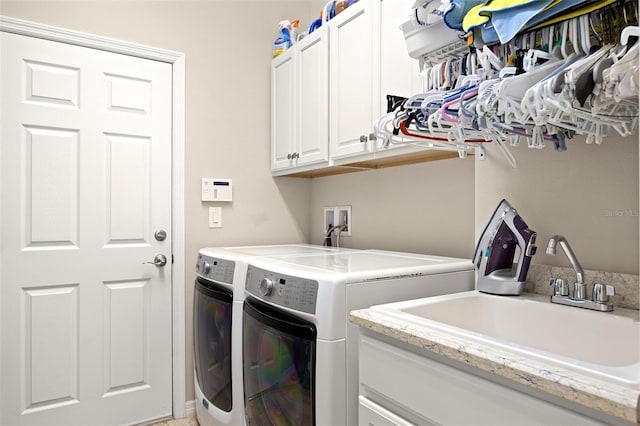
point(189, 421)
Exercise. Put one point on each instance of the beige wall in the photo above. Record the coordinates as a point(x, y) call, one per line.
point(589, 194)
point(228, 53)
point(421, 208)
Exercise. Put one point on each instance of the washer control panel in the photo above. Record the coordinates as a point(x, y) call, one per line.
point(291, 292)
point(214, 269)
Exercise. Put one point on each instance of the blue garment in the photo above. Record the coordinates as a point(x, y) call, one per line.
point(509, 22)
point(459, 8)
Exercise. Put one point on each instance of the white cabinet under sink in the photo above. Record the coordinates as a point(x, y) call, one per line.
point(401, 387)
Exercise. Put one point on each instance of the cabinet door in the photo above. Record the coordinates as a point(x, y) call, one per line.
point(399, 73)
point(429, 391)
point(282, 110)
point(371, 414)
point(313, 97)
point(354, 78)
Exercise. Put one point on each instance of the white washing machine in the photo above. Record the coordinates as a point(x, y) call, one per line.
point(217, 322)
point(300, 352)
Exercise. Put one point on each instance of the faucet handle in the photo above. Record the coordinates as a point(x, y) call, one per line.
point(601, 292)
point(560, 286)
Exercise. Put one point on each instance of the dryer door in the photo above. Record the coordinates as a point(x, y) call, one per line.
point(212, 342)
point(279, 357)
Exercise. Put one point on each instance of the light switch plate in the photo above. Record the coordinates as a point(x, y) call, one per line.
point(215, 217)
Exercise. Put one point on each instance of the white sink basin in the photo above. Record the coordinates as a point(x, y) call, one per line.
point(602, 344)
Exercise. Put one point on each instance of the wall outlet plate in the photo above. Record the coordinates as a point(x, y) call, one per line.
point(337, 215)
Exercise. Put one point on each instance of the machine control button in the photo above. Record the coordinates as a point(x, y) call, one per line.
point(266, 286)
point(206, 267)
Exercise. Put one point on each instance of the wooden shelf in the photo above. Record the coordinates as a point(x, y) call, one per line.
point(379, 163)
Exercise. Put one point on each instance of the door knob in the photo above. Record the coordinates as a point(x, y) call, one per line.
point(160, 235)
point(160, 260)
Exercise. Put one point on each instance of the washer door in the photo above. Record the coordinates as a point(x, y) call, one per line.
point(279, 356)
point(212, 342)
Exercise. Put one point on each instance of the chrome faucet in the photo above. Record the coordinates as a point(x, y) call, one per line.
point(579, 288)
point(601, 292)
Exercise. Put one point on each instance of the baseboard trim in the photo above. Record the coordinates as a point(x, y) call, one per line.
point(190, 408)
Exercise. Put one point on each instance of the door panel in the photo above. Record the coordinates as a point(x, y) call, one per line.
point(283, 129)
point(50, 173)
point(313, 98)
point(85, 175)
point(51, 346)
point(126, 330)
point(128, 174)
point(53, 84)
point(354, 78)
point(128, 95)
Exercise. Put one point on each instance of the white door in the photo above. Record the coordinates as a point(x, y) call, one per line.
point(85, 159)
point(283, 111)
point(399, 72)
point(354, 78)
point(312, 109)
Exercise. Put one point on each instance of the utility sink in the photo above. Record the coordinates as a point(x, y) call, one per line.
point(606, 345)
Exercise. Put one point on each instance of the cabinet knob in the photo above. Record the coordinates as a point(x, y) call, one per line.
point(289, 156)
point(372, 136)
point(295, 155)
point(363, 138)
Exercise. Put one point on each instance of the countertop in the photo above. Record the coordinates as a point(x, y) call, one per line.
point(612, 398)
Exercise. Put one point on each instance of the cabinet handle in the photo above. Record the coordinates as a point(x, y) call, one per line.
point(363, 138)
point(289, 156)
point(372, 136)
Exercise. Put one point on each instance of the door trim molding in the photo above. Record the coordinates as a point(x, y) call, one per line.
point(48, 32)
point(177, 60)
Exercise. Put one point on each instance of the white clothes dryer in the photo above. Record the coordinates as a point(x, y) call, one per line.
point(217, 323)
point(300, 352)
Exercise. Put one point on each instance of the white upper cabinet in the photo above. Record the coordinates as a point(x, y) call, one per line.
point(329, 88)
point(354, 78)
point(399, 73)
point(313, 98)
point(299, 105)
point(282, 110)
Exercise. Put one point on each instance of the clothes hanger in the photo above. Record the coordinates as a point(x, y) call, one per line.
point(628, 32)
point(405, 131)
point(445, 108)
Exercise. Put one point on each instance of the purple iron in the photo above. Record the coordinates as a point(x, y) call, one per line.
point(496, 249)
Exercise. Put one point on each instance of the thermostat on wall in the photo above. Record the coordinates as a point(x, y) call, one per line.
point(217, 189)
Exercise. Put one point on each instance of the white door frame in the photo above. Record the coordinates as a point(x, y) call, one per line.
point(177, 61)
